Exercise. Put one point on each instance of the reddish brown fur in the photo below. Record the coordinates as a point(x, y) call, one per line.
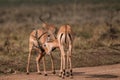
point(65, 40)
point(33, 42)
point(65, 31)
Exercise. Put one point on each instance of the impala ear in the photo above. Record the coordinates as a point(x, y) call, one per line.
point(44, 45)
point(44, 25)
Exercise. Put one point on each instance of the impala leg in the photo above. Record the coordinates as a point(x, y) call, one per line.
point(62, 61)
point(28, 64)
point(67, 66)
point(61, 67)
point(37, 62)
point(63, 72)
point(71, 72)
point(44, 67)
point(70, 54)
point(52, 61)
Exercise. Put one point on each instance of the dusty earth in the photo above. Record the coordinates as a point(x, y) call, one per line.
point(108, 72)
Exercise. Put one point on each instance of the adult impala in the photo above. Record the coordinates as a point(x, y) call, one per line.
point(64, 41)
point(36, 40)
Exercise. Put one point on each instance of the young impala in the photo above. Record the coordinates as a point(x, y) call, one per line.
point(64, 41)
point(36, 40)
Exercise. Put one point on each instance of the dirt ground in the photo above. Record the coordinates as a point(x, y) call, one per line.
point(107, 72)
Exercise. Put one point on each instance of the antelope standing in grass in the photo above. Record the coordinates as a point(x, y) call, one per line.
point(36, 40)
point(64, 41)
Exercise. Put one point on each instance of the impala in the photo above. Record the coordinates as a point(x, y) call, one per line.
point(36, 40)
point(64, 41)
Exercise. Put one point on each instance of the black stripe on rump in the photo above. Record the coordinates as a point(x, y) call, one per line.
point(65, 33)
point(65, 37)
point(61, 36)
point(70, 36)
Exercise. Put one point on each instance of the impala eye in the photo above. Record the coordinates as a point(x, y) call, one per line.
point(48, 35)
point(44, 45)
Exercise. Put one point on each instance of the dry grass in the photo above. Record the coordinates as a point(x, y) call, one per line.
point(93, 44)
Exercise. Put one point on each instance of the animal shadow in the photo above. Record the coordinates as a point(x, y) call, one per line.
point(78, 73)
point(102, 76)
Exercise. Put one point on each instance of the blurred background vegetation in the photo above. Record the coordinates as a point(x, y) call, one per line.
point(46, 2)
point(54, 1)
point(96, 26)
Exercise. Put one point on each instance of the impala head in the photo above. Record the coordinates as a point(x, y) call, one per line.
point(47, 48)
point(50, 39)
point(50, 29)
point(51, 45)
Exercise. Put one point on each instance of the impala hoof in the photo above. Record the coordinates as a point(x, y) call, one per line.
point(63, 77)
point(67, 74)
point(54, 72)
point(27, 73)
point(60, 74)
point(39, 73)
point(45, 74)
point(71, 77)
